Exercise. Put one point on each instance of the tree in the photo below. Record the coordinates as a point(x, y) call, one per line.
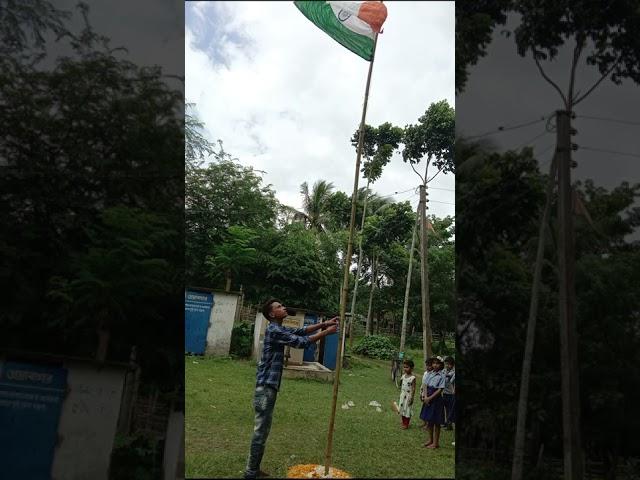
point(601, 33)
point(233, 256)
point(377, 148)
point(392, 223)
point(475, 21)
point(315, 204)
point(196, 145)
point(433, 138)
point(218, 196)
point(77, 162)
point(119, 277)
point(297, 271)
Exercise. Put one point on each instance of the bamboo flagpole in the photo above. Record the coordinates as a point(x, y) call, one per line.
point(347, 266)
point(355, 25)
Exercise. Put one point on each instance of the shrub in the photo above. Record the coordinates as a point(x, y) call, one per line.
point(241, 339)
point(134, 457)
point(375, 346)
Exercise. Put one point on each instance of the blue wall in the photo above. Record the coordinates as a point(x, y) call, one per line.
point(331, 343)
point(310, 351)
point(197, 311)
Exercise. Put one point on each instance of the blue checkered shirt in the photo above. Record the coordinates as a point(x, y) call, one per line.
point(276, 337)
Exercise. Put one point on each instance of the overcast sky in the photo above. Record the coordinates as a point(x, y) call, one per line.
point(505, 89)
point(285, 98)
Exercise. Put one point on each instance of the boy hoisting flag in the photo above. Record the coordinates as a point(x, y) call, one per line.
point(352, 24)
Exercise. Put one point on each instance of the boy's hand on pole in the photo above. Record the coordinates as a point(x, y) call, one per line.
point(333, 321)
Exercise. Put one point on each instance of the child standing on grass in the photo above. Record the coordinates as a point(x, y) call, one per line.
point(434, 413)
point(449, 393)
point(407, 392)
point(423, 390)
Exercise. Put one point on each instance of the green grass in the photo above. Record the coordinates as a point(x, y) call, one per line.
point(367, 444)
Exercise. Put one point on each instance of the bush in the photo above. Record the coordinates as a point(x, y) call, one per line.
point(375, 346)
point(241, 339)
point(134, 457)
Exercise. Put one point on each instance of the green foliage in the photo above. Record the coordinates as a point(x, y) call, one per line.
point(496, 241)
point(241, 339)
point(234, 255)
point(475, 21)
point(133, 457)
point(196, 146)
point(378, 147)
point(338, 207)
point(219, 195)
point(604, 32)
point(92, 185)
point(392, 223)
point(297, 271)
point(433, 137)
point(375, 346)
point(316, 204)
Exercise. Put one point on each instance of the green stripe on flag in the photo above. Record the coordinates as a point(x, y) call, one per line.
point(320, 13)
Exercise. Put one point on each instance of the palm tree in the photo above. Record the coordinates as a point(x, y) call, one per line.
point(314, 204)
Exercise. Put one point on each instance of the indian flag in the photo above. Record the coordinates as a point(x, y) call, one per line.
point(352, 24)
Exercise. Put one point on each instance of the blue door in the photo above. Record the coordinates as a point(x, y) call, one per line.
point(310, 351)
point(32, 397)
point(197, 311)
point(331, 343)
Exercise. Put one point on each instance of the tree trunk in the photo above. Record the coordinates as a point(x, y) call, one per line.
point(104, 335)
point(518, 451)
point(373, 286)
point(403, 332)
point(355, 286)
point(227, 287)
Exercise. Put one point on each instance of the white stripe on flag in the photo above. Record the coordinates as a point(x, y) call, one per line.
point(347, 14)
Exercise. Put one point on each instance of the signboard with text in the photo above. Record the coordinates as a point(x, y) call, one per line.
point(31, 397)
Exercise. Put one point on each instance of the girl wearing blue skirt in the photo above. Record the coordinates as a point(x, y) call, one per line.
point(428, 363)
point(434, 411)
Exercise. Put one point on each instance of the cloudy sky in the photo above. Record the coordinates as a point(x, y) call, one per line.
point(505, 89)
point(285, 98)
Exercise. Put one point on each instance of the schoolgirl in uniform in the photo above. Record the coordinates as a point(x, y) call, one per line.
point(423, 390)
point(434, 413)
point(449, 393)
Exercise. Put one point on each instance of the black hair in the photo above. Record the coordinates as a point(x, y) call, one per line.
point(266, 308)
point(450, 360)
point(409, 363)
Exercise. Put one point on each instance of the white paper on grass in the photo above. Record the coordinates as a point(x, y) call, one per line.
point(374, 403)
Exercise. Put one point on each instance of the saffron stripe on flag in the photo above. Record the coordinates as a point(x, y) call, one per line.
point(337, 19)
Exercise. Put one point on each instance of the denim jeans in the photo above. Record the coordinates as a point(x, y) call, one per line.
point(263, 403)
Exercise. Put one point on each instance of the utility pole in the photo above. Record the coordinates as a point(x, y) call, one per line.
point(573, 464)
point(424, 275)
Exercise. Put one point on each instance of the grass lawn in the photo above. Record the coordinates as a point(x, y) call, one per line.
point(367, 443)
